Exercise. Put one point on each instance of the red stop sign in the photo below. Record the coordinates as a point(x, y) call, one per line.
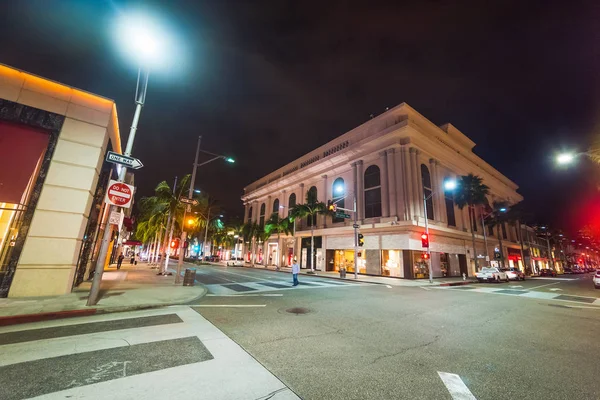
point(119, 194)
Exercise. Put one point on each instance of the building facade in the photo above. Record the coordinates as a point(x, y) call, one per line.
point(392, 163)
point(53, 140)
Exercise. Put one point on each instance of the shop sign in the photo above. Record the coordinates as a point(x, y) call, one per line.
point(119, 194)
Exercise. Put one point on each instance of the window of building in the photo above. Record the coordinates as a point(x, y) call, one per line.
point(262, 214)
point(372, 192)
point(339, 192)
point(250, 215)
point(426, 181)
point(449, 199)
point(311, 196)
point(276, 207)
point(291, 201)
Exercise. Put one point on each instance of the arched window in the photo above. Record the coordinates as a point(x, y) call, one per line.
point(249, 214)
point(311, 198)
point(262, 214)
point(276, 206)
point(372, 192)
point(291, 202)
point(426, 180)
point(449, 199)
point(339, 192)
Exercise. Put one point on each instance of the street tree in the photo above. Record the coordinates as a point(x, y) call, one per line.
point(310, 209)
point(278, 225)
point(470, 192)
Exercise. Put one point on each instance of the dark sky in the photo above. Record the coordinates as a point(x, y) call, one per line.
point(267, 81)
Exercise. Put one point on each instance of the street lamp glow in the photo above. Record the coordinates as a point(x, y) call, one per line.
point(229, 160)
point(142, 38)
point(565, 158)
point(450, 184)
point(339, 189)
point(503, 209)
point(196, 190)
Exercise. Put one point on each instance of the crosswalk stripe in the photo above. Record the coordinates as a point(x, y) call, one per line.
point(457, 388)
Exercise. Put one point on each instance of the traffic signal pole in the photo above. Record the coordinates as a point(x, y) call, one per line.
point(354, 225)
point(428, 244)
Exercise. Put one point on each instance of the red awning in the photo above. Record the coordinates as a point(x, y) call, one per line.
point(132, 243)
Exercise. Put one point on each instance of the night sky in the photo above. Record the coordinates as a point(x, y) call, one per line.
point(268, 81)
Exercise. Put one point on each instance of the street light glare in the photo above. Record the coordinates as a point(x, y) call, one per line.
point(450, 184)
point(143, 39)
point(339, 189)
point(565, 158)
point(197, 191)
point(229, 160)
point(503, 209)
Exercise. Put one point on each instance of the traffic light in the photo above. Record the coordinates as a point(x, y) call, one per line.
point(425, 255)
point(175, 243)
point(425, 240)
point(361, 239)
point(331, 206)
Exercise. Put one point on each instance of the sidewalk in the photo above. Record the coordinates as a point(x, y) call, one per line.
point(130, 288)
point(381, 280)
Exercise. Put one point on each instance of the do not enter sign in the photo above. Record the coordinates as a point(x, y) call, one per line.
point(119, 194)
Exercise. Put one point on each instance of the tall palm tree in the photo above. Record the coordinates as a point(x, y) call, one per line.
point(278, 225)
point(310, 209)
point(261, 236)
point(471, 191)
point(249, 233)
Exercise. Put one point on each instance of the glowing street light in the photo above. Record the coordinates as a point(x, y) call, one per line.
point(339, 189)
point(229, 160)
point(503, 209)
point(450, 184)
point(565, 158)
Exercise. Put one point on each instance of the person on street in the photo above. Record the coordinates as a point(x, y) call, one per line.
point(295, 272)
point(120, 260)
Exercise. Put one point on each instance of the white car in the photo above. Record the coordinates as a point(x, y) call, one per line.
point(492, 274)
point(596, 279)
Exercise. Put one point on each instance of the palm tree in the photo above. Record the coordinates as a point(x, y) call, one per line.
point(471, 191)
point(310, 209)
point(249, 233)
point(279, 225)
point(499, 216)
point(261, 236)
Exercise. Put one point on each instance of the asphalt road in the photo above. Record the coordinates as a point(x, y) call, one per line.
point(377, 342)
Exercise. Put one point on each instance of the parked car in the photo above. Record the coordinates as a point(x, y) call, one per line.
point(596, 279)
point(567, 270)
point(578, 270)
point(547, 272)
point(492, 274)
point(515, 274)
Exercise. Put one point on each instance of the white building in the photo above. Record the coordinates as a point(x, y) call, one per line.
point(390, 161)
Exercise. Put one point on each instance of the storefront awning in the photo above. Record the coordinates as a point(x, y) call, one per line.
point(132, 243)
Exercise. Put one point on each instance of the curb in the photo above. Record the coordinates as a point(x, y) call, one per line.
point(85, 312)
point(457, 283)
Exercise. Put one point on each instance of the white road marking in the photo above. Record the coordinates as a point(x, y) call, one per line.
point(229, 305)
point(515, 286)
point(548, 284)
point(554, 289)
point(246, 295)
point(388, 286)
point(424, 288)
point(541, 278)
point(457, 388)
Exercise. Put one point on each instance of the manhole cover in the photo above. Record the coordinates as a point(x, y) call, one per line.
point(298, 310)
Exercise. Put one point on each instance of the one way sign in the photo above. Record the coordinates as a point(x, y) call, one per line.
point(127, 161)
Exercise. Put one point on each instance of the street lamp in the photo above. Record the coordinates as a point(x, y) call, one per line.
point(145, 40)
point(565, 158)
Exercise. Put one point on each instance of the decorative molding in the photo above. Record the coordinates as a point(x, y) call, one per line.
point(391, 151)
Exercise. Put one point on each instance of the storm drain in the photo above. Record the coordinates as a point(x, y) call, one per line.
point(297, 310)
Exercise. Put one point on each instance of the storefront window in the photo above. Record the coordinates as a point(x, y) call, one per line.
point(391, 263)
point(420, 266)
point(345, 259)
point(444, 264)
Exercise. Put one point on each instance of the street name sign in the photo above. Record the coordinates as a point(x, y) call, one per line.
point(119, 194)
point(342, 215)
point(129, 162)
point(185, 200)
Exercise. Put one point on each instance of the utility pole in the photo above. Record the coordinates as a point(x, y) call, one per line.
point(187, 209)
point(140, 98)
point(206, 233)
point(427, 232)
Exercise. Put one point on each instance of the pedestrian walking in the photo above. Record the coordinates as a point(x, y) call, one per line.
point(295, 272)
point(120, 260)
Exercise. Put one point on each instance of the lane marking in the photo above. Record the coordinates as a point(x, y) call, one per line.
point(388, 286)
point(457, 388)
point(246, 295)
point(229, 305)
point(424, 288)
point(515, 286)
point(548, 284)
point(554, 289)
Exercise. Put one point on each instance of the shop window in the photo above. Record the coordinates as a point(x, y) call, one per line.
point(449, 199)
point(372, 190)
point(427, 191)
point(276, 207)
point(339, 192)
point(262, 214)
point(391, 263)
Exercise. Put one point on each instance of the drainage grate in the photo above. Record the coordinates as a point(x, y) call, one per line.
point(297, 310)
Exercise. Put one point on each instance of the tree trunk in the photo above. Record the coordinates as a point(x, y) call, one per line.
point(312, 246)
point(279, 250)
point(520, 237)
point(503, 265)
point(471, 216)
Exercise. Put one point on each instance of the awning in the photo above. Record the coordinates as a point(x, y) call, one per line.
point(132, 243)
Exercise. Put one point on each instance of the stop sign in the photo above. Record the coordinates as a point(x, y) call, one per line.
point(119, 194)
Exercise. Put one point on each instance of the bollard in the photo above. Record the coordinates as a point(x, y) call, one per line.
point(189, 279)
point(343, 273)
point(464, 276)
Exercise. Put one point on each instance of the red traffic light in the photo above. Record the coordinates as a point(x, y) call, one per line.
point(425, 240)
point(425, 256)
point(175, 243)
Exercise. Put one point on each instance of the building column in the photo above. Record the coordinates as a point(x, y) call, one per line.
point(435, 190)
point(398, 173)
point(246, 209)
point(324, 196)
point(302, 198)
point(392, 191)
point(284, 202)
point(354, 187)
point(417, 185)
point(268, 208)
point(408, 185)
point(360, 194)
point(255, 211)
point(442, 195)
point(385, 187)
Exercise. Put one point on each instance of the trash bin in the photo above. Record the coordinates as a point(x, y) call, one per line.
point(342, 273)
point(189, 279)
